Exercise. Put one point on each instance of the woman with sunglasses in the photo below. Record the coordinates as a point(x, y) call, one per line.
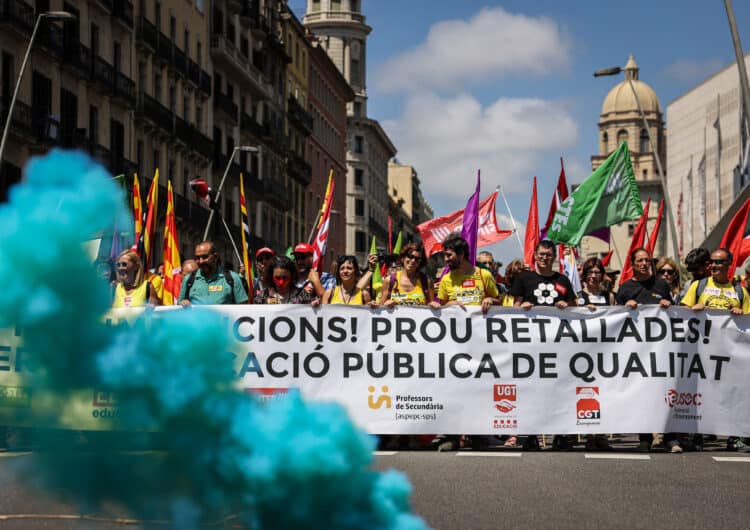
point(667, 270)
point(132, 290)
point(409, 285)
point(593, 293)
point(280, 275)
point(346, 291)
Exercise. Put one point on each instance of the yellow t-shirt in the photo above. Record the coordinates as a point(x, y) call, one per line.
point(135, 298)
point(158, 285)
point(414, 297)
point(470, 289)
point(716, 296)
point(355, 299)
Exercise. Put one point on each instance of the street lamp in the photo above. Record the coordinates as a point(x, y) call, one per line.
point(53, 15)
point(243, 148)
point(614, 70)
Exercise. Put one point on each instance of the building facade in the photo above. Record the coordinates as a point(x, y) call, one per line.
point(342, 32)
point(706, 148)
point(621, 121)
point(408, 208)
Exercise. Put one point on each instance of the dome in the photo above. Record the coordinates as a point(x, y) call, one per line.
point(621, 98)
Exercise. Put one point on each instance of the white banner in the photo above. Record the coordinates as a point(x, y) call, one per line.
point(419, 371)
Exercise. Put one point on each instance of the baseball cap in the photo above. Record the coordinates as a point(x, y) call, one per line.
point(303, 248)
point(264, 250)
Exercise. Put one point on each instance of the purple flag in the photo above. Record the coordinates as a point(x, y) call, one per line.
point(601, 233)
point(470, 222)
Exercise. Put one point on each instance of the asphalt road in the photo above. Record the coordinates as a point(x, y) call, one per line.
point(504, 489)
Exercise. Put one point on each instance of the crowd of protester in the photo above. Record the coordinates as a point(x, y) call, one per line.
point(405, 281)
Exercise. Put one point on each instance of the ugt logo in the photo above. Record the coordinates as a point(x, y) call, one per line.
point(587, 406)
point(383, 400)
point(505, 397)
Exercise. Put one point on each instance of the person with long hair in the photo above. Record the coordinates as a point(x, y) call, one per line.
point(594, 293)
point(281, 277)
point(346, 291)
point(408, 285)
point(669, 271)
point(132, 290)
point(512, 271)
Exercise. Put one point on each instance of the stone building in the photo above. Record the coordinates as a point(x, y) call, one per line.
point(408, 206)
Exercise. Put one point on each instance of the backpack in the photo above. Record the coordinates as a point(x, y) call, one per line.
point(227, 277)
point(702, 285)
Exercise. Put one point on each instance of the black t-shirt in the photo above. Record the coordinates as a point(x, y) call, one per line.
point(649, 291)
point(543, 290)
point(585, 298)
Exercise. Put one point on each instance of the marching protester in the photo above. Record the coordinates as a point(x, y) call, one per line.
point(668, 270)
point(543, 286)
point(346, 291)
point(307, 278)
point(211, 283)
point(409, 285)
point(282, 275)
point(132, 290)
point(263, 257)
point(512, 271)
point(594, 293)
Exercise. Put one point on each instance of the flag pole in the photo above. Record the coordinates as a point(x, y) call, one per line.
point(512, 221)
point(231, 239)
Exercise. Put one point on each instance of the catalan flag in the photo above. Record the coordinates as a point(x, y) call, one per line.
point(172, 263)
point(321, 238)
point(148, 233)
point(249, 272)
point(137, 210)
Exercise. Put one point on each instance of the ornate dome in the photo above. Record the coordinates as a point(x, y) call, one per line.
point(621, 98)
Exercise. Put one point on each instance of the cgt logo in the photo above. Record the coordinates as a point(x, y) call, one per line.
point(587, 407)
point(378, 402)
point(675, 399)
point(505, 397)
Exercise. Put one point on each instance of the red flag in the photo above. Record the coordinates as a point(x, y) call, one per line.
point(172, 264)
point(606, 259)
point(137, 210)
point(150, 229)
point(390, 235)
point(434, 231)
point(639, 237)
point(532, 230)
point(321, 238)
point(737, 237)
point(560, 194)
point(655, 232)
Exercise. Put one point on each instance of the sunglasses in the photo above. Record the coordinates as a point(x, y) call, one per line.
point(202, 256)
point(121, 264)
point(594, 271)
point(667, 271)
point(719, 261)
point(413, 257)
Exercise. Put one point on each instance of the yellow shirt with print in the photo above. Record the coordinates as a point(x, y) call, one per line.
point(716, 296)
point(469, 289)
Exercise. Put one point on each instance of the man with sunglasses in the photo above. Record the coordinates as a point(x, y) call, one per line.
point(211, 284)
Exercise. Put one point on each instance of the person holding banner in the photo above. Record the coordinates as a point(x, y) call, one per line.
point(512, 271)
point(593, 293)
point(346, 291)
point(132, 290)
point(308, 277)
point(667, 270)
point(465, 284)
point(281, 274)
point(543, 286)
point(410, 285)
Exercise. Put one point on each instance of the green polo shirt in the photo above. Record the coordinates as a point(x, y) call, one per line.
point(214, 290)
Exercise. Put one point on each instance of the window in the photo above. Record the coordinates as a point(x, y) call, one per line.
point(360, 241)
point(199, 53)
point(186, 46)
point(157, 159)
point(643, 144)
point(94, 44)
point(605, 139)
point(186, 107)
point(139, 155)
point(354, 73)
point(335, 5)
point(199, 118)
point(358, 144)
point(622, 136)
point(631, 229)
point(359, 207)
point(359, 177)
point(117, 56)
point(157, 84)
point(93, 125)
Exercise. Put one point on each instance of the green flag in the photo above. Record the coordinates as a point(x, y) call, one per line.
point(397, 246)
point(377, 277)
point(290, 253)
point(608, 196)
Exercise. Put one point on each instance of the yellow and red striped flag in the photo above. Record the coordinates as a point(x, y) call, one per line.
point(249, 272)
point(172, 264)
point(150, 229)
point(137, 210)
point(321, 238)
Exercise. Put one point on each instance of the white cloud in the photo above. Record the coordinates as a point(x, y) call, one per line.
point(448, 138)
point(491, 45)
point(692, 71)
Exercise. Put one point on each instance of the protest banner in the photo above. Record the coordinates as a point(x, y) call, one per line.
point(419, 371)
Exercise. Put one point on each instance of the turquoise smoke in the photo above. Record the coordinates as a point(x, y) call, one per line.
point(284, 464)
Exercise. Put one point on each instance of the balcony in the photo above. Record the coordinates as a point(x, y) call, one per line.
point(180, 61)
point(50, 37)
point(250, 12)
point(125, 88)
point(183, 130)
point(202, 144)
point(249, 125)
point(297, 114)
point(18, 15)
point(78, 57)
point(46, 127)
point(104, 73)
point(205, 83)
point(188, 210)
point(146, 34)
point(123, 11)
point(193, 72)
point(22, 121)
point(164, 49)
point(299, 169)
point(325, 16)
point(275, 192)
point(148, 109)
point(225, 104)
point(225, 54)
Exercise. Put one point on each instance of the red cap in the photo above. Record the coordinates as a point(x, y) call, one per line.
point(303, 248)
point(264, 250)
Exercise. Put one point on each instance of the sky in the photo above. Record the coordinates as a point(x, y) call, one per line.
point(507, 87)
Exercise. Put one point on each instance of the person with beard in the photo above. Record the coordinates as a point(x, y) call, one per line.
point(132, 290)
point(543, 286)
point(211, 283)
point(465, 284)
